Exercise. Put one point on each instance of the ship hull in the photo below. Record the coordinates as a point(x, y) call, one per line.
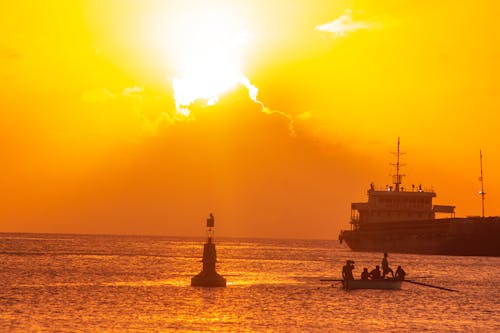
point(456, 236)
point(372, 284)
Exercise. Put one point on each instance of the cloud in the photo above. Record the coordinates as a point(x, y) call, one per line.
point(137, 112)
point(249, 94)
point(235, 158)
point(132, 91)
point(345, 24)
point(131, 112)
point(291, 122)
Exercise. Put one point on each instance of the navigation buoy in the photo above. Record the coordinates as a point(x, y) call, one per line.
point(208, 277)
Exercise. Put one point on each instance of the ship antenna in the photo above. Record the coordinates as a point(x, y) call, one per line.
point(482, 193)
point(397, 178)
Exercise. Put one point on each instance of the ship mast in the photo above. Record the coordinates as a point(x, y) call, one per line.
point(397, 178)
point(482, 193)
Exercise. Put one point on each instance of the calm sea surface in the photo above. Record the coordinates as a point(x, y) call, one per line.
point(71, 283)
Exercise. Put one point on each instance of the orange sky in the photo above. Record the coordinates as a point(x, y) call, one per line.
point(94, 137)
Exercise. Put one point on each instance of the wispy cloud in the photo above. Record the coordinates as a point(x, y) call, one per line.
point(345, 24)
point(138, 109)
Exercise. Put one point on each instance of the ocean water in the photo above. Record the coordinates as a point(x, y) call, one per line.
point(88, 283)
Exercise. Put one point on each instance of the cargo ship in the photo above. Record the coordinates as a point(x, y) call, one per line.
point(404, 220)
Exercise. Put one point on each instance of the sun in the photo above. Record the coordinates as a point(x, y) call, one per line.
point(212, 64)
point(206, 47)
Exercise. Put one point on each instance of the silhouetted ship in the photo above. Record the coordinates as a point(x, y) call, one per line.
point(400, 220)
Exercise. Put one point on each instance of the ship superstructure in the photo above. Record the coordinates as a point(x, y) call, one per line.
point(395, 203)
point(399, 219)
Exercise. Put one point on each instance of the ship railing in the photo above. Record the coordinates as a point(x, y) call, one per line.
point(390, 188)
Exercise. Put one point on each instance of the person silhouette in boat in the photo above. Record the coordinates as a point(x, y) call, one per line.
point(347, 270)
point(400, 274)
point(365, 275)
point(375, 274)
point(385, 266)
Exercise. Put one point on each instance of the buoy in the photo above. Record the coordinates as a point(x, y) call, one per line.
point(208, 277)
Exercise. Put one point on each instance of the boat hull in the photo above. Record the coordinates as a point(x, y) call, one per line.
point(383, 284)
point(457, 236)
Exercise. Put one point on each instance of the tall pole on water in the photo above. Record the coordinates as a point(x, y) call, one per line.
point(482, 182)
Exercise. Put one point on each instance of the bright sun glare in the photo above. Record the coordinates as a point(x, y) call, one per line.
point(209, 44)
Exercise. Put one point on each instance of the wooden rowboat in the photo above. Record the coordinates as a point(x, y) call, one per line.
point(385, 284)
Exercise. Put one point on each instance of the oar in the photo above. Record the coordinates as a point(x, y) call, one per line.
point(429, 285)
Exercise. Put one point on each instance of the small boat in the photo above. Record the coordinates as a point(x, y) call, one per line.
point(384, 284)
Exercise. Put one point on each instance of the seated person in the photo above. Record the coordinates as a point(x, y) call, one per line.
point(375, 274)
point(400, 274)
point(365, 275)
